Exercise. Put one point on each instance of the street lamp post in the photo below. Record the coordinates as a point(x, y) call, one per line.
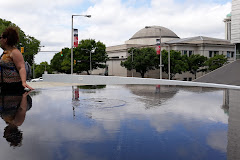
point(88, 16)
point(160, 63)
point(132, 60)
point(169, 71)
point(90, 52)
point(160, 54)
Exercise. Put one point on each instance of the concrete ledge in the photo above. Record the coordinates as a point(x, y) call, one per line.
point(37, 85)
point(102, 80)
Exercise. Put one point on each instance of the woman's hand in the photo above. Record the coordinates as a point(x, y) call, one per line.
point(25, 85)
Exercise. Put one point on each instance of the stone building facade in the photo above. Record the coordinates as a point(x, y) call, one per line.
point(147, 36)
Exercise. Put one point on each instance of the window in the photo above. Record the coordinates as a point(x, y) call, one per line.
point(184, 52)
point(213, 53)
point(216, 53)
point(190, 53)
point(184, 79)
point(115, 57)
point(228, 54)
point(190, 78)
point(210, 53)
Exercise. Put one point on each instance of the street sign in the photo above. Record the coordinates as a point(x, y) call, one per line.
point(75, 38)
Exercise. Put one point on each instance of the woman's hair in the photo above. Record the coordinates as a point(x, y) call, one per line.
point(13, 135)
point(11, 33)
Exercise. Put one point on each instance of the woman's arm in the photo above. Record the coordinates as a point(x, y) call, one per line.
point(21, 112)
point(18, 60)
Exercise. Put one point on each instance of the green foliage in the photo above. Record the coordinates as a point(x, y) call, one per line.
point(177, 63)
point(144, 59)
point(66, 65)
point(129, 64)
point(30, 44)
point(31, 48)
point(195, 63)
point(216, 62)
point(41, 68)
point(82, 55)
point(62, 63)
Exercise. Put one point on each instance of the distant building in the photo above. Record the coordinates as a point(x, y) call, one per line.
point(227, 22)
point(235, 26)
point(146, 37)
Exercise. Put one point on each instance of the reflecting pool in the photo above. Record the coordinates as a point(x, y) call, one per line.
point(143, 122)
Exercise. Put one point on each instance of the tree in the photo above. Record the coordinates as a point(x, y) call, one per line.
point(31, 48)
point(82, 53)
point(216, 62)
point(195, 63)
point(61, 62)
point(30, 44)
point(41, 68)
point(144, 59)
point(177, 63)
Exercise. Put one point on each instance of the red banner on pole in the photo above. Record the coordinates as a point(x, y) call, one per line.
point(75, 38)
point(158, 49)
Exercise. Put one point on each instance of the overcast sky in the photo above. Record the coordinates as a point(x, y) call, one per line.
point(113, 21)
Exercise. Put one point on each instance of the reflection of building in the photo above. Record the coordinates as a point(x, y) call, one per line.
point(146, 37)
point(153, 95)
point(233, 148)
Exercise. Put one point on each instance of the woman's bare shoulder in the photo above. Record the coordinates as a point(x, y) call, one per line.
point(15, 52)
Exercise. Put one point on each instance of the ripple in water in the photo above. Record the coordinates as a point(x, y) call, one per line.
point(102, 103)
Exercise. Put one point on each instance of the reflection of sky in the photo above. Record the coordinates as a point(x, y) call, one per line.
point(113, 123)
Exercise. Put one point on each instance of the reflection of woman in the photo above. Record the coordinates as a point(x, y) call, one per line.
point(13, 112)
point(12, 79)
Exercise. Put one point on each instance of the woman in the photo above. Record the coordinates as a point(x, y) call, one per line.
point(12, 79)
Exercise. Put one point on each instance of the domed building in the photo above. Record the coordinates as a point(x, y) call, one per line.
point(148, 36)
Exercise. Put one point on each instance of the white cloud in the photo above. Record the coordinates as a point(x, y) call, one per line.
point(113, 21)
point(218, 140)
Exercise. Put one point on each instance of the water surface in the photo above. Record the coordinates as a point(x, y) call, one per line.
point(126, 122)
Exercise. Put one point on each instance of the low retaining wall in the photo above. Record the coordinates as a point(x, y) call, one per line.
point(102, 80)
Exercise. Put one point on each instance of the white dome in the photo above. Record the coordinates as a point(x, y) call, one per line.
point(154, 32)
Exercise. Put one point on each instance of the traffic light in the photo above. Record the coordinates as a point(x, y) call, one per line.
point(61, 53)
point(75, 61)
point(22, 49)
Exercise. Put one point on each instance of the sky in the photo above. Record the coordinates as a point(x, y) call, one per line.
point(112, 21)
